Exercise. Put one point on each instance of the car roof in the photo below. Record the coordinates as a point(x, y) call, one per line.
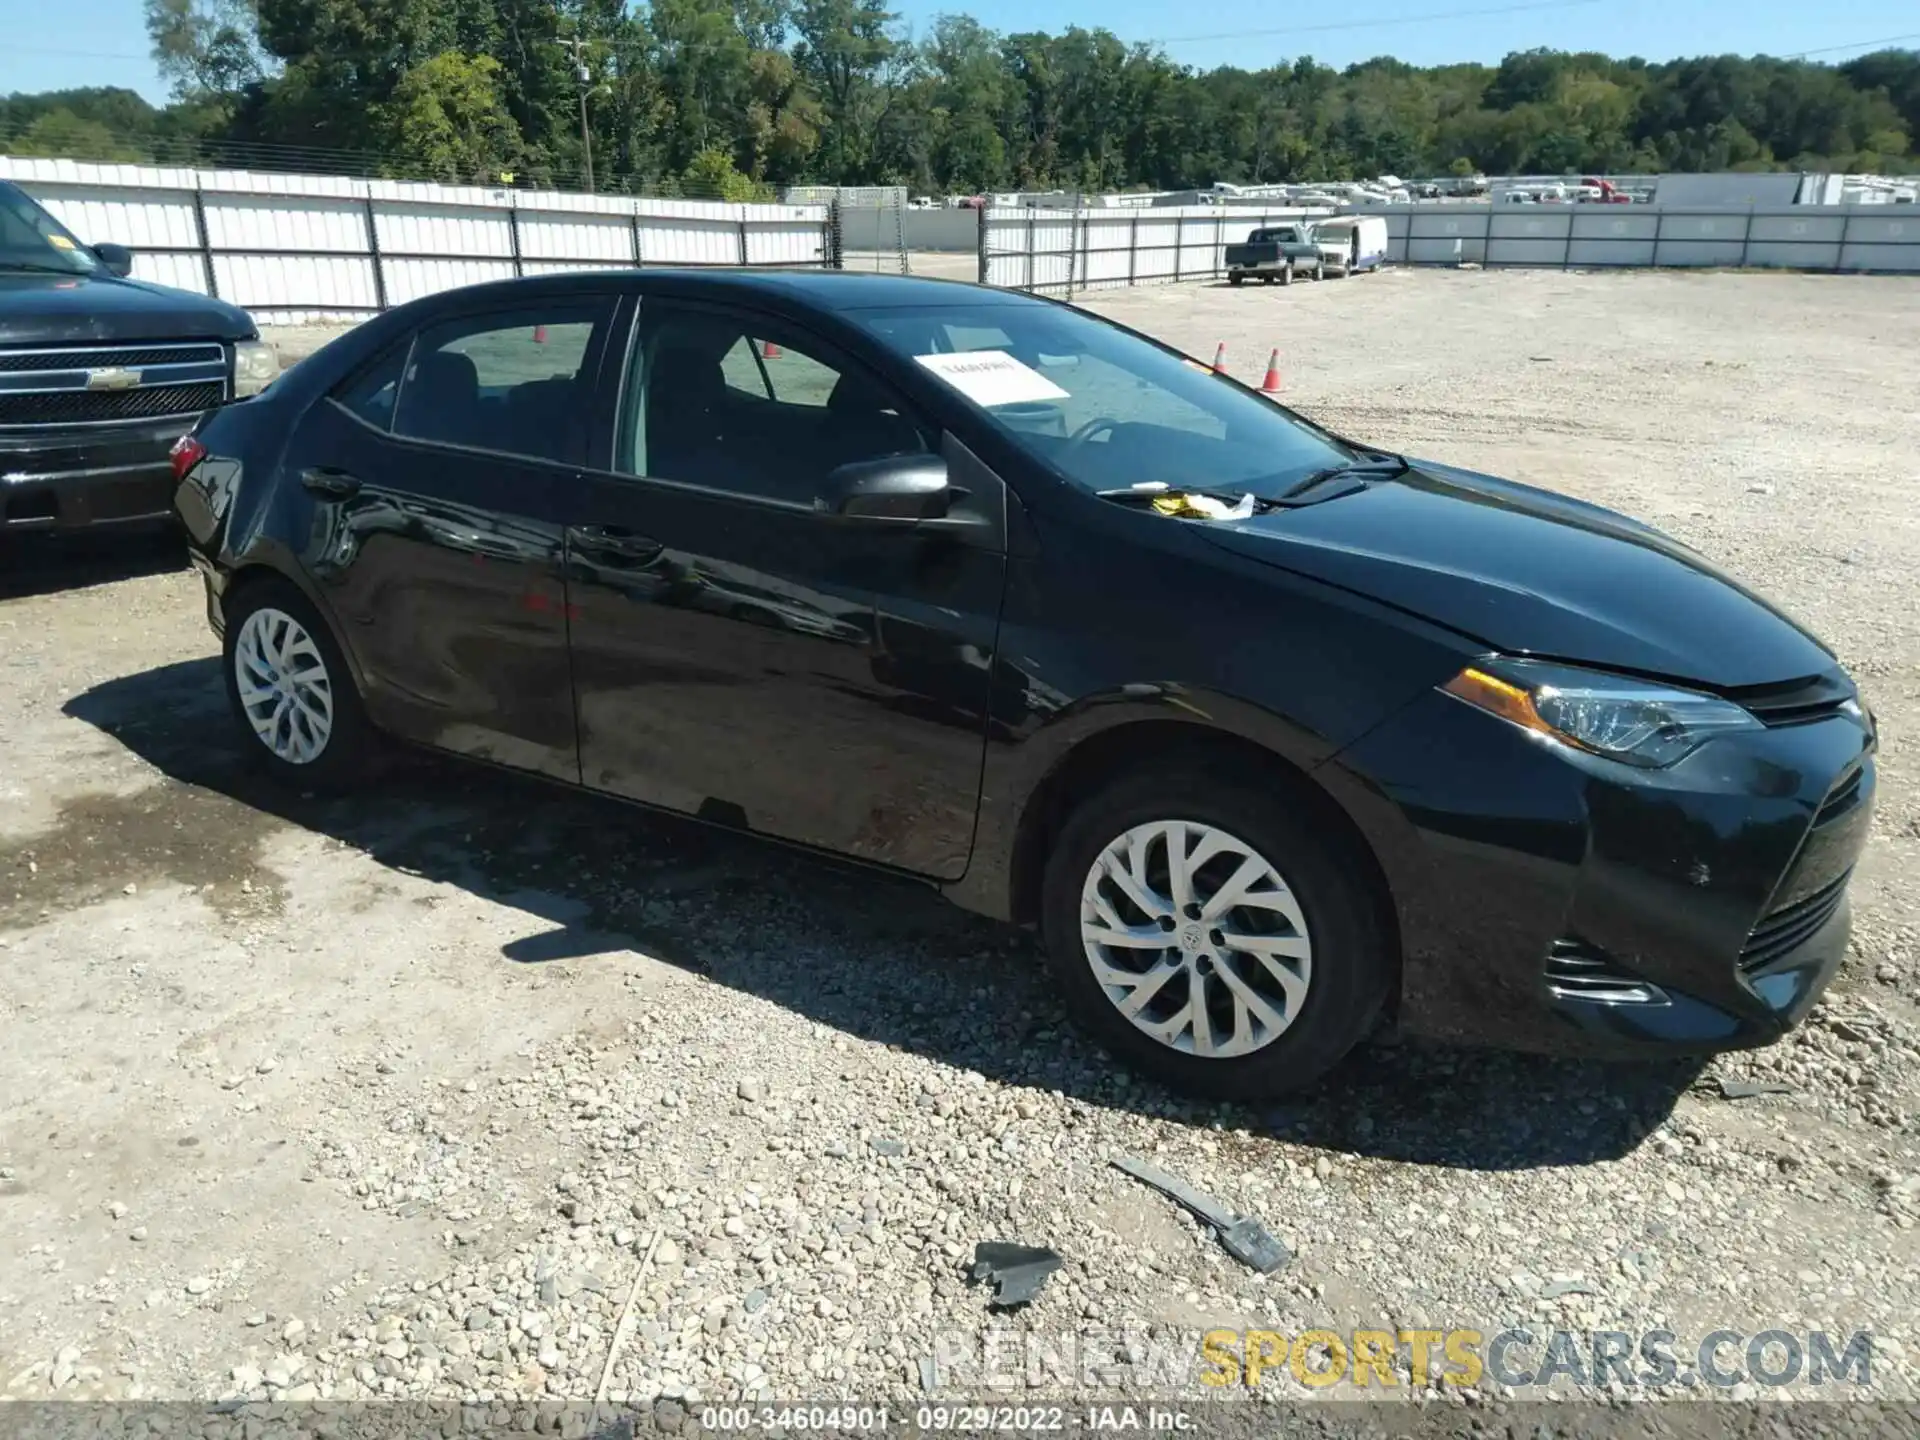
point(820, 290)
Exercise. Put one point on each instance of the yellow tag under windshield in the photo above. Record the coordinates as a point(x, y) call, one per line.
point(1201, 507)
point(60, 242)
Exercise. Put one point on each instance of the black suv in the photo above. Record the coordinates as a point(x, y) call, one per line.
point(100, 374)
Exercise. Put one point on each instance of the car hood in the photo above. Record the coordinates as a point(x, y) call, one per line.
point(37, 309)
point(1528, 572)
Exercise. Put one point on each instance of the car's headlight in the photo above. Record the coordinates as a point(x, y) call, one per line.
point(255, 366)
point(1635, 721)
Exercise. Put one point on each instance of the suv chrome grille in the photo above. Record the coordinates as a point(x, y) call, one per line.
point(1788, 928)
point(80, 408)
point(108, 384)
point(99, 357)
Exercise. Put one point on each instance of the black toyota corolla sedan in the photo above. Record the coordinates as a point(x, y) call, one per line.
point(1275, 736)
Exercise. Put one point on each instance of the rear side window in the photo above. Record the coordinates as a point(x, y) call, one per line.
point(370, 394)
point(518, 381)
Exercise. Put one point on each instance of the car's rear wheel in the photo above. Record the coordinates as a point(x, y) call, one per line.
point(1235, 280)
point(1286, 274)
point(293, 696)
point(1218, 938)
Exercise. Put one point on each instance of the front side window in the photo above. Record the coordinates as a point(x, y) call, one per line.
point(31, 239)
point(517, 381)
point(1104, 408)
point(735, 403)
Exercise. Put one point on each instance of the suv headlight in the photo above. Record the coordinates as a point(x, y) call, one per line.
point(1638, 722)
point(255, 366)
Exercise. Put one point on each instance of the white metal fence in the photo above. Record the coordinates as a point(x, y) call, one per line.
point(1065, 252)
point(1868, 238)
point(291, 248)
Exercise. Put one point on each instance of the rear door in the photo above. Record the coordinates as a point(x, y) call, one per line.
point(741, 657)
point(443, 478)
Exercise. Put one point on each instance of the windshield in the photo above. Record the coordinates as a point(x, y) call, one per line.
point(1104, 408)
point(31, 239)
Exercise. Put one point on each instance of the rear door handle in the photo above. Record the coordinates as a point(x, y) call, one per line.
point(334, 484)
point(613, 540)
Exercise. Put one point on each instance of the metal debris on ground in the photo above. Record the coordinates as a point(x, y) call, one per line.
point(1017, 1270)
point(1244, 1237)
point(1555, 1289)
point(1731, 1089)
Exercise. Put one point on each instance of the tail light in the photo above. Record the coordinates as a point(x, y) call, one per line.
point(186, 453)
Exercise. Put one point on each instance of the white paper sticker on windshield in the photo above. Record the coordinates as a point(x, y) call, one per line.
point(992, 377)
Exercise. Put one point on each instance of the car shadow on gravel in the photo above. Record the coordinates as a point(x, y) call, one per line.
point(880, 959)
point(33, 564)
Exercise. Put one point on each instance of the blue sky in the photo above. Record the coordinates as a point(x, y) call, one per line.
point(54, 44)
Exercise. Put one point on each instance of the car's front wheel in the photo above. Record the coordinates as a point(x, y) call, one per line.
point(1212, 935)
point(291, 692)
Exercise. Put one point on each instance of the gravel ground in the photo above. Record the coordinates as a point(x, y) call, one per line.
point(419, 1094)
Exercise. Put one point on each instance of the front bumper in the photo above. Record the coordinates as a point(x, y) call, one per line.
point(86, 476)
point(1550, 900)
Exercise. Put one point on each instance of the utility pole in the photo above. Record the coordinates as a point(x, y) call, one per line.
point(583, 74)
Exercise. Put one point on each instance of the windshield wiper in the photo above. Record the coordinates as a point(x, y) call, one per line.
point(1380, 463)
point(39, 269)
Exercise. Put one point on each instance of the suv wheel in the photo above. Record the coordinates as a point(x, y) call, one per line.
point(292, 694)
point(1213, 938)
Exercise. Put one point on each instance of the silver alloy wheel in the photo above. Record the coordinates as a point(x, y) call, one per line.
point(1196, 939)
point(284, 686)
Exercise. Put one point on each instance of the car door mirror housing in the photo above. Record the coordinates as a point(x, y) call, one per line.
point(900, 488)
point(117, 258)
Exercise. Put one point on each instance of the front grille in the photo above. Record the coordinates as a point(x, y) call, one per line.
point(82, 407)
point(1576, 970)
point(1792, 926)
point(1795, 702)
point(1842, 798)
point(103, 357)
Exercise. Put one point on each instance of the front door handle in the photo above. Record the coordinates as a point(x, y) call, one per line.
point(615, 541)
point(334, 484)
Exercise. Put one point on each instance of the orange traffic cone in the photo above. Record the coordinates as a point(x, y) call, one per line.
point(1271, 385)
point(1220, 359)
point(539, 334)
point(769, 350)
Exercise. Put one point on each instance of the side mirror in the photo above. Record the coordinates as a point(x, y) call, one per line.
point(900, 489)
point(117, 258)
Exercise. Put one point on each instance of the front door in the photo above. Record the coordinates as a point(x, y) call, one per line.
point(443, 479)
point(741, 657)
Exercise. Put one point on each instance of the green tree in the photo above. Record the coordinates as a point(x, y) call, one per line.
point(61, 133)
point(711, 176)
point(449, 121)
point(843, 46)
point(790, 90)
